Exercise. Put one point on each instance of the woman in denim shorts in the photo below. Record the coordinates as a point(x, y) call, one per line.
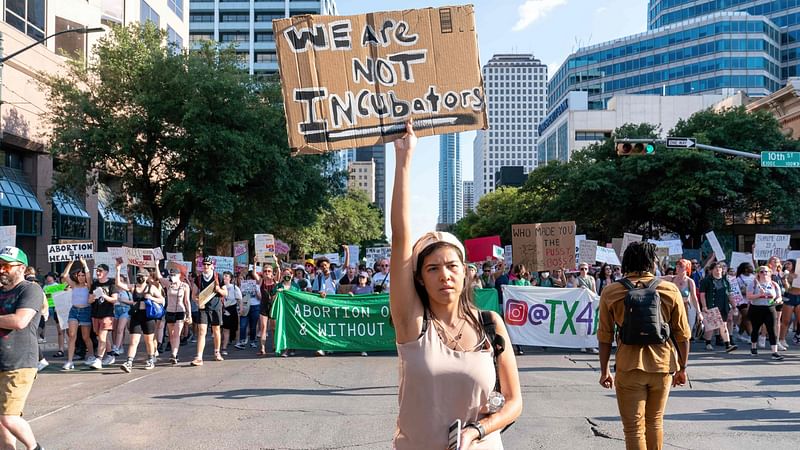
point(80, 315)
point(121, 316)
point(792, 302)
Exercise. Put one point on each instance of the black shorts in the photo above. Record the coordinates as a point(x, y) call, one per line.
point(140, 324)
point(210, 317)
point(195, 316)
point(230, 318)
point(742, 306)
point(266, 309)
point(172, 317)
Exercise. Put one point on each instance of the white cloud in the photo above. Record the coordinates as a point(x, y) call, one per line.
point(533, 10)
point(601, 10)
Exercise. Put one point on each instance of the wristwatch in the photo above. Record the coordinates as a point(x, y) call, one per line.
point(477, 425)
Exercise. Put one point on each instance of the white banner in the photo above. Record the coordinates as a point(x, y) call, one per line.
point(768, 245)
point(718, 252)
point(70, 252)
point(551, 317)
point(738, 258)
point(8, 236)
point(608, 256)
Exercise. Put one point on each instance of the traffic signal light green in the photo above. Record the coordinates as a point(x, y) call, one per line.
point(638, 148)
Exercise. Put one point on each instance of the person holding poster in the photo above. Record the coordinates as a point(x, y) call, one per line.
point(210, 313)
point(715, 292)
point(103, 296)
point(762, 297)
point(443, 344)
point(80, 315)
point(178, 311)
point(140, 324)
point(644, 372)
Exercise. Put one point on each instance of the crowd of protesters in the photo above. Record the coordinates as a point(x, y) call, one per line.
point(758, 304)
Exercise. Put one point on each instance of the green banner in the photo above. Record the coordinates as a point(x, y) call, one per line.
point(342, 323)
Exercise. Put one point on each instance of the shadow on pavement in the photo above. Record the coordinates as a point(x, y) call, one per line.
point(239, 394)
point(788, 420)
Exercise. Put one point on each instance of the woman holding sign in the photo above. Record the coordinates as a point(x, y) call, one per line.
point(763, 296)
point(447, 371)
point(80, 315)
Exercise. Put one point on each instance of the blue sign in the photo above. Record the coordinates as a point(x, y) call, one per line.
point(553, 116)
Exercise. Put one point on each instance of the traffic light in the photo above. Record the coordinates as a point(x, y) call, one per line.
point(638, 148)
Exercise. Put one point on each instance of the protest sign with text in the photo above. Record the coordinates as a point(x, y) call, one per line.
point(222, 264)
point(544, 246)
point(264, 247)
point(769, 245)
point(551, 317)
point(714, 242)
point(241, 256)
point(675, 246)
point(627, 239)
point(333, 258)
point(587, 252)
point(608, 256)
point(352, 81)
point(8, 236)
point(343, 322)
point(375, 254)
point(140, 257)
point(70, 252)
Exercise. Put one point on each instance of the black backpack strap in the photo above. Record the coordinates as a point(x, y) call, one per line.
point(627, 283)
point(497, 342)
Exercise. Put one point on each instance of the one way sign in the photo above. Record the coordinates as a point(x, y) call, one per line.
point(679, 142)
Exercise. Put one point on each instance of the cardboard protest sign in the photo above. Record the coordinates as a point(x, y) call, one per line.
point(222, 264)
point(715, 246)
point(769, 245)
point(712, 319)
point(608, 256)
point(158, 254)
point(587, 252)
point(353, 81)
point(140, 257)
point(737, 258)
point(480, 249)
point(355, 252)
point(627, 238)
point(544, 246)
point(8, 236)
point(241, 256)
point(264, 247)
point(70, 252)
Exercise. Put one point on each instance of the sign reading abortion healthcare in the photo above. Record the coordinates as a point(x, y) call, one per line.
point(353, 81)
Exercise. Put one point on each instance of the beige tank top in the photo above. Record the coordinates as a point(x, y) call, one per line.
point(437, 386)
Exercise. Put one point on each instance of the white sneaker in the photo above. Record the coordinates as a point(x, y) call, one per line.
point(320, 352)
point(762, 342)
point(68, 366)
point(96, 364)
point(109, 359)
point(89, 361)
point(782, 346)
point(253, 344)
point(42, 364)
point(364, 354)
point(42, 340)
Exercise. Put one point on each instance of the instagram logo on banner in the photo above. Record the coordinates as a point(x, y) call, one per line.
point(516, 312)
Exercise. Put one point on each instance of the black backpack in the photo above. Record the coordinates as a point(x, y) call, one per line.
point(643, 322)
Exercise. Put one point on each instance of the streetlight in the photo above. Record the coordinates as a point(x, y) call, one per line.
point(84, 30)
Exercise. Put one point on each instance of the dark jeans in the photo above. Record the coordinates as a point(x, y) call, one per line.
point(251, 320)
point(763, 315)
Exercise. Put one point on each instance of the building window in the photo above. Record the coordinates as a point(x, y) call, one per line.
point(69, 44)
point(197, 38)
point(265, 37)
point(201, 17)
point(174, 38)
point(28, 16)
point(234, 17)
point(147, 13)
point(264, 17)
point(177, 7)
point(234, 37)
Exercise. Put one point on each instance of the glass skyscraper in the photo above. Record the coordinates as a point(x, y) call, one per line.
point(451, 196)
point(717, 46)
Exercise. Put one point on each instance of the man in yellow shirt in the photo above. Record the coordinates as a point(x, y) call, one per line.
point(644, 373)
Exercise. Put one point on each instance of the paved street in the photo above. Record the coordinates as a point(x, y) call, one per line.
point(349, 401)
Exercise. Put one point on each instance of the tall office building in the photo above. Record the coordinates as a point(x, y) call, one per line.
point(451, 198)
point(362, 177)
point(690, 47)
point(376, 153)
point(469, 196)
point(247, 24)
point(516, 95)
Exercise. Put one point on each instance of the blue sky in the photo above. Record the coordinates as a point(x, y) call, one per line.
point(550, 29)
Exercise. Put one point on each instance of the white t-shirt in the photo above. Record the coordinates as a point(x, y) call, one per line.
point(234, 294)
point(378, 280)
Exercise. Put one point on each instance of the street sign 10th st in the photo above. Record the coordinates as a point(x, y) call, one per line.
point(780, 159)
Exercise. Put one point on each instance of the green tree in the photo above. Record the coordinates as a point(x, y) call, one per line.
point(182, 135)
point(348, 219)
